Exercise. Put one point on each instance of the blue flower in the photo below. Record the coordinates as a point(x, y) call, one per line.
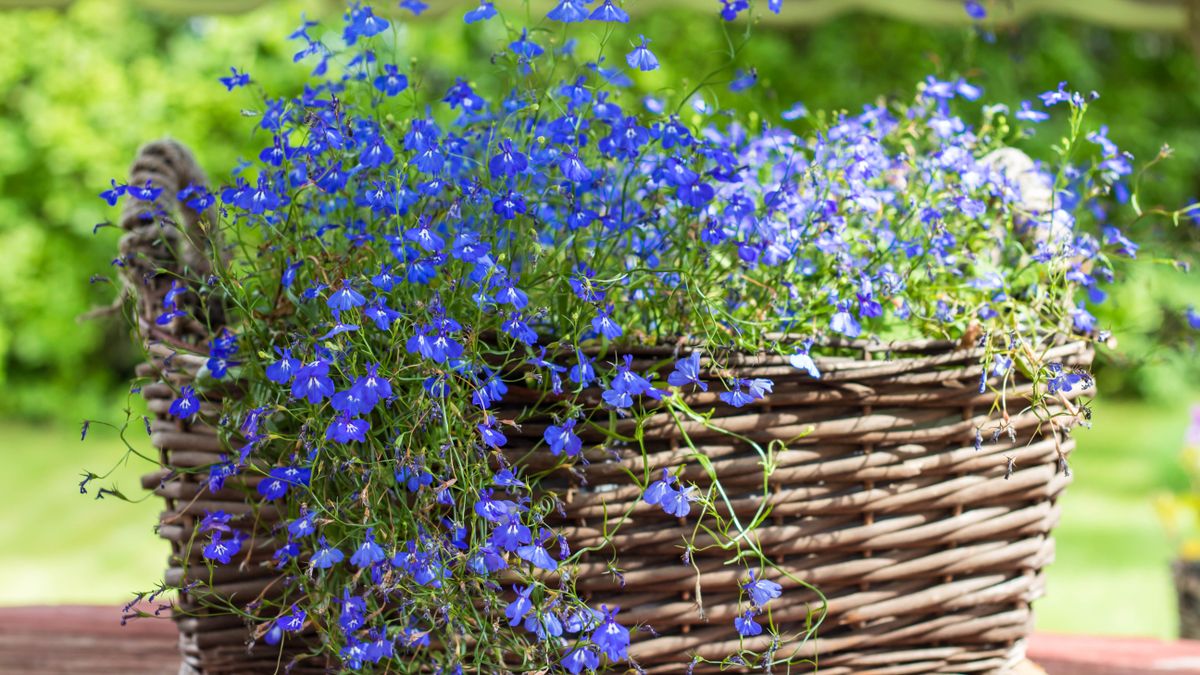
point(743, 80)
point(391, 82)
point(609, 12)
point(508, 162)
point(569, 11)
point(573, 168)
point(483, 12)
point(801, 360)
point(186, 405)
point(975, 10)
point(280, 479)
point(761, 591)
point(641, 57)
point(292, 622)
point(580, 659)
point(414, 6)
point(525, 48)
point(302, 526)
point(326, 556)
point(562, 438)
point(611, 637)
point(312, 383)
point(345, 299)
point(511, 535)
point(283, 370)
point(222, 550)
point(535, 554)
point(344, 429)
point(508, 205)
point(115, 194)
point(491, 435)
point(353, 612)
point(519, 607)
point(235, 80)
point(1193, 319)
point(678, 503)
point(368, 553)
point(843, 322)
point(746, 625)
point(687, 371)
point(604, 325)
point(1028, 114)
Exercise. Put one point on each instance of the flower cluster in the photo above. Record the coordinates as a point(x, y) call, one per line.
point(407, 260)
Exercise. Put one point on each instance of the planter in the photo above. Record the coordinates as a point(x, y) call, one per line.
point(927, 550)
point(1187, 592)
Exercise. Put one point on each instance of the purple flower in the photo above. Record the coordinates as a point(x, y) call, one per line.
point(687, 371)
point(746, 625)
point(222, 550)
point(611, 637)
point(483, 12)
point(508, 162)
point(609, 12)
point(186, 405)
point(580, 659)
point(326, 556)
point(569, 11)
point(391, 82)
point(845, 323)
point(345, 428)
point(761, 591)
point(975, 10)
point(641, 57)
point(562, 438)
point(519, 607)
point(235, 80)
point(313, 383)
point(368, 552)
point(283, 370)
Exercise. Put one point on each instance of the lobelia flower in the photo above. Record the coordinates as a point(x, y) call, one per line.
point(569, 11)
point(535, 554)
point(391, 82)
point(345, 428)
point(326, 556)
point(611, 637)
point(186, 405)
point(1193, 319)
point(607, 11)
point(641, 57)
point(580, 659)
point(235, 80)
point(519, 607)
point(761, 591)
point(562, 438)
point(312, 382)
point(222, 550)
point(368, 552)
point(843, 322)
point(353, 612)
point(687, 371)
point(746, 625)
point(284, 369)
point(280, 479)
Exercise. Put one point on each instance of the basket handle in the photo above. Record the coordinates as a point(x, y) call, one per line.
point(166, 241)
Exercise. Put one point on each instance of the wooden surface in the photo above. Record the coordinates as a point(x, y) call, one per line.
point(74, 640)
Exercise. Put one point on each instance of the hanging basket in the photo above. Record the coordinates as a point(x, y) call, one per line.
point(927, 549)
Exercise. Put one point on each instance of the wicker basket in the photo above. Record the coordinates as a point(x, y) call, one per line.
point(928, 550)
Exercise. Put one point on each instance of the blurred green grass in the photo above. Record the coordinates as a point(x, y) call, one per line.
point(1110, 577)
point(63, 547)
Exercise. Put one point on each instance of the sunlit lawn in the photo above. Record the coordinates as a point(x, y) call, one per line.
point(1111, 575)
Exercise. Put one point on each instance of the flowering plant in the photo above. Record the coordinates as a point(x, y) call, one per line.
point(406, 277)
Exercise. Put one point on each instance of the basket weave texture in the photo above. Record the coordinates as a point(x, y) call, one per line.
point(928, 550)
